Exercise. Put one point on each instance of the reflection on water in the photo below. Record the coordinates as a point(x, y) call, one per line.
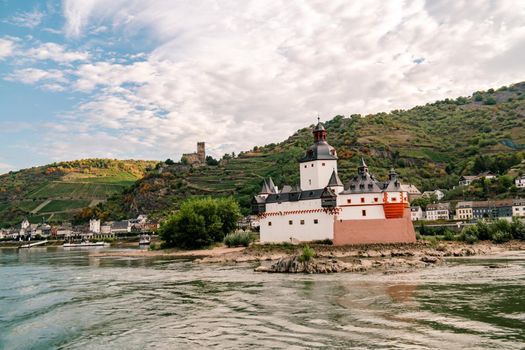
point(51, 298)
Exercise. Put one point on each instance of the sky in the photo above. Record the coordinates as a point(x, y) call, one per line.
point(147, 79)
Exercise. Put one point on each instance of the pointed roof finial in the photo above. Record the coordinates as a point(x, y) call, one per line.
point(318, 118)
point(363, 162)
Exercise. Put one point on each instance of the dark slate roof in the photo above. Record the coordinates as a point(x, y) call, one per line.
point(363, 182)
point(294, 196)
point(119, 225)
point(393, 183)
point(320, 150)
point(334, 180)
point(319, 127)
point(271, 186)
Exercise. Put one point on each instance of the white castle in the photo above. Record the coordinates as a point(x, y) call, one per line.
point(364, 211)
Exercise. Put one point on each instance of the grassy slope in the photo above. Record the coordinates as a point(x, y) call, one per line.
point(431, 146)
point(69, 186)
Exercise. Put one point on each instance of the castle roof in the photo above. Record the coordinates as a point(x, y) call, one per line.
point(334, 180)
point(294, 196)
point(393, 183)
point(320, 150)
point(363, 181)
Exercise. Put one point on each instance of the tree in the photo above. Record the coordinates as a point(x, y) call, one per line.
point(211, 161)
point(200, 222)
point(169, 162)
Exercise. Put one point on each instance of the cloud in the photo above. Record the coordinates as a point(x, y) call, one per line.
point(27, 19)
point(6, 48)
point(55, 52)
point(32, 76)
point(243, 73)
point(5, 168)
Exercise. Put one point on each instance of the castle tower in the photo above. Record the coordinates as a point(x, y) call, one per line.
point(319, 162)
point(201, 152)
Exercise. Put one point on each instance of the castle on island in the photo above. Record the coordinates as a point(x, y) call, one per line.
point(365, 210)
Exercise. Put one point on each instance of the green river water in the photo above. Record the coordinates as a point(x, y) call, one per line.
point(56, 299)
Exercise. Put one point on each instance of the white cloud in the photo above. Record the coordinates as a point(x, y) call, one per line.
point(243, 73)
point(7, 48)
point(55, 52)
point(32, 76)
point(27, 19)
point(5, 168)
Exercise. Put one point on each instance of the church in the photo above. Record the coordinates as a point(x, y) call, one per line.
point(365, 210)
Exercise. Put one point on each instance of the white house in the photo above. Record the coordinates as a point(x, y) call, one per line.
point(416, 213)
point(438, 193)
point(520, 181)
point(518, 208)
point(366, 210)
point(438, 211)
point(94, 226)
point(466, 180)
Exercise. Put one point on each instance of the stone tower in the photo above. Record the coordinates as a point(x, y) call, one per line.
point(201, 152)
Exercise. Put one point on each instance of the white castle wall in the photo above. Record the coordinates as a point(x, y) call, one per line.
point(315, 175)
point(280, 229)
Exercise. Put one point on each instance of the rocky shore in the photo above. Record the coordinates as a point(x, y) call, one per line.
point(386, 257)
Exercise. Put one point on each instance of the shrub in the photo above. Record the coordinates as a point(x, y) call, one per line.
point(307, 255)
point(418, 236)
point(238, 239)
point(501, 236)
point(326, 241)
point(517, 229)
point(483, 231)
point(200, 222)
point(449, 235)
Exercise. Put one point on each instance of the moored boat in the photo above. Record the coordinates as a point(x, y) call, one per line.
point(144, 240)
point(85, 244)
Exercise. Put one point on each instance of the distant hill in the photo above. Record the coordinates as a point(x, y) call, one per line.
point(58, 191)
point(430, 146)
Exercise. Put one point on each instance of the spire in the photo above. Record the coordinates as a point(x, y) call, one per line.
point(265, 188)
point(392, 175)
point(271, 186)
point(334, 180)
point(363, 168)
point(319, 131)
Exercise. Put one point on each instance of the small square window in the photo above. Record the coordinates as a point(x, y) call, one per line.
point(362, 199)
point(290, 222)
point(363, 212)
point(316, 221)
point(323, 164)
point(376, 199)
point(312, 165)
point(269, 223)
point(302, 222)
point(348, 201)
point(394, 199)
point(305, 166)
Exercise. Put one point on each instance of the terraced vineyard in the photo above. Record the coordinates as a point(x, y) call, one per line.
point(57, 192)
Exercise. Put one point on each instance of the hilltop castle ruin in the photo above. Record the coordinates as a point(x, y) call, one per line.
point(197, 158)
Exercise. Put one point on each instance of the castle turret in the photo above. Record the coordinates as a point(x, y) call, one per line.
point(319, 162)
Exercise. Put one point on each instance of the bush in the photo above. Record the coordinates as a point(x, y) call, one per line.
point(484, 232)
point(517, 229)
point(307, 255)
point(449, 235)
point(200, 222)
point(238, 239)
point(326, 241)
point(501, 236)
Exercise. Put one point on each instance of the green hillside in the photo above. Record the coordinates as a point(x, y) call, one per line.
point(430, 146)
point(58, 191)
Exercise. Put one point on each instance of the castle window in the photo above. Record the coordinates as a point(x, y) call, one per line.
point(316, 221)
point(362, 199)
point(312, 165)
point(363, 212)
point(305, 166)
point(376, 199)
point(309, 182)
point(394, 199)
point(269, 223)
point(302, 222)
point(323, 164)
point(290, 222)
point(348, 201)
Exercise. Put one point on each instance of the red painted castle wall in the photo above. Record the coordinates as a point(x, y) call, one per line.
point(399, 230)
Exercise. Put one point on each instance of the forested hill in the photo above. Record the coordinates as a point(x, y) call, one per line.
point(57, 192)
point(430, 146)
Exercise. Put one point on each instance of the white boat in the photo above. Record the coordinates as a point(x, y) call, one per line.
point(29, 245)
point(144, 240)
point(85, 244)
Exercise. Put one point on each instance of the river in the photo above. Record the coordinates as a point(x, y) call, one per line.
point(56, 299)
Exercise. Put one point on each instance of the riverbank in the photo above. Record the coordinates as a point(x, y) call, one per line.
point(328, 258)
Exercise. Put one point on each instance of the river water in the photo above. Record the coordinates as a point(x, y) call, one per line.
point(56, 299)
